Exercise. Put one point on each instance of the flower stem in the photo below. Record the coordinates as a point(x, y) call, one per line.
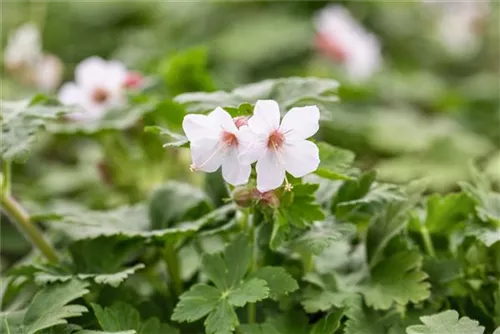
point(173, 268)
point(6, 177)
point(429, 247)
point(23, 222)
point(252, 308)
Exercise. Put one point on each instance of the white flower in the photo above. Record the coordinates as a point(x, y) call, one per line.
point(459, 27)
point(345, 40)
point(218, 140)
point(24, 47)
point(48, 73)
point(282, 148)
point(98, 87)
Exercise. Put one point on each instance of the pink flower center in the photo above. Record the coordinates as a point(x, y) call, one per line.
point(133, 80)
point(100, 95)
point(240, 121)
point(275, 139)
point(229, 139)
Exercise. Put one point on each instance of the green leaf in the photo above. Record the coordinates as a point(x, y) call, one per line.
point(287, 92)
point(122, 316)
point(320, 236)
point(196, 303)
point(186, 71)
point(21, 122)
point(446, 322)
point(334, 162)
point(328, 324)
point(44, 274)
point(127, 223)
point(384, 225)
point(291, 322)
point(227, 271)
point(48, 308)
point(299, 206)
point(361, 320)
point(445, 213)
point(250, 291)
point(178, 140)
point(396, 279)
point(113, 120)
point(279, 281)
point(222, 320)
point(174, 202)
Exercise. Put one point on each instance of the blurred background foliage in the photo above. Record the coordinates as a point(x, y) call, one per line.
point(425, 113)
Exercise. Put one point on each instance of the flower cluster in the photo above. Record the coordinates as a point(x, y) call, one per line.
point(99, 86)
point(460, 26)
point(340, 37)
point(235, 144)
point(25, 61)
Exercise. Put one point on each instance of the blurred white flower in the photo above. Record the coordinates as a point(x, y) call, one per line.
point(282, 148)
point(26, 62)
point(460, 26)
point(49, 73)
point(99, 86)
point(346, 41)
point(216, 140)
point(24, 47)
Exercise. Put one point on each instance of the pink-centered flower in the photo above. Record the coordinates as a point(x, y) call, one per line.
point(99, 86)
point(343, 39)
point(218, 140)
point(280, 148)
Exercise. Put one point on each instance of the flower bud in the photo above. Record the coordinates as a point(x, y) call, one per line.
point(240, 121)
point(133, 80)
point(268, 198)
point(242, 196)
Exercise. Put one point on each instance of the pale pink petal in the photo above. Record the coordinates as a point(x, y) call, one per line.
point(233, 171)
point(91, 72)
point(116, 74)
point(207, 154)
point(300, 157)
point(266, 117)
point(300, 122)
point(70, 94)
point(199, 126)
point(251, 147)
point(270, 172)
point(223, 120)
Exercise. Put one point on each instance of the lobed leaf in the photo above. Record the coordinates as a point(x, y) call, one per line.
point(446, 322)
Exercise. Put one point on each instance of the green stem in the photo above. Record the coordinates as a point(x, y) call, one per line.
point(427, 241)
point(23, 222)
point(252, 307)
point(6, 177)
point(173, 268)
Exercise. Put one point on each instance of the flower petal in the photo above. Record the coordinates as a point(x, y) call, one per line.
point(300, 157)
point(91, 72)
point(270, 172)
point(234, 172)
point(223, 120)
point(199, 127)
point(266, 117)
point(207, 154)
point(116, 73)
point(251, 147)
point(70, 94)
point(300, 122)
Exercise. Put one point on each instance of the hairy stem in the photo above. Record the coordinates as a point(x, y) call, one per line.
point(429, 247)
point(173, 267)
point(23, 222)
point(252, 308)
point(6, 177)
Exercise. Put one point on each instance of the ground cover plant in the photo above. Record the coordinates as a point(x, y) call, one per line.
point(175, 196)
